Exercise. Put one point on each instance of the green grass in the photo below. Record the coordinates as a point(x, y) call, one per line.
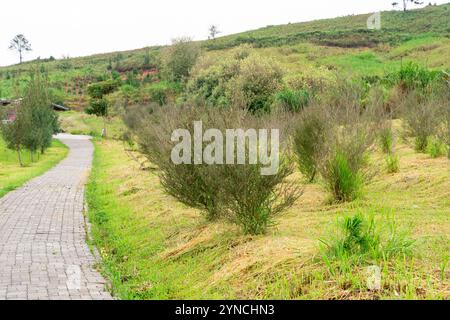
point(153, 247)
point(12, 175)
point(81, 123)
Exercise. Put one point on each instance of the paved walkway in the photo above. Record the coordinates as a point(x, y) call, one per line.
point(43, 252)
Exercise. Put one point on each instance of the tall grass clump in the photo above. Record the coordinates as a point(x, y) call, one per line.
point(436, 148)
point(412, 76)
point(293, 100)
point(235, 192)
point(387, 144)
point(309, 140)
point(422, 117)
point(360, 239)
point(386, 138)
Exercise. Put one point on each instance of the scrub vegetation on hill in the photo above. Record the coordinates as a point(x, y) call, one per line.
point(362, 185)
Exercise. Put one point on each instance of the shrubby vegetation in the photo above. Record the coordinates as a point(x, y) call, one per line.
point(34, 121)
point(237, 192)
point(248, 82)
point(179, 58)
point(360, 239)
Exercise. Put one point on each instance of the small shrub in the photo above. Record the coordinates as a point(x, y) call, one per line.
point(98, 107)
point(309, 139)
point(436, 148)
point(293, 100)
point(255, 85)
point(412, 76)
point(179, 58)
point(342, 180)
point(392, 163)
point(386, 139)
point(100, 89)
point(247, 82)
point(421, 119)
point(237, 192)
point(359, 239)
point(353, 129)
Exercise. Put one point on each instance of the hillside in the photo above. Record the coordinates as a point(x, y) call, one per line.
point(317, 48)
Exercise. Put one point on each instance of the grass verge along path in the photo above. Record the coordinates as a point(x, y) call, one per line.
point(153, 247)
point(12, 175)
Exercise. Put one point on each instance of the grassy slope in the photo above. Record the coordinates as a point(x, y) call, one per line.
point(80, 123)
point(316, 48)
point(156, 248)
point(13, 176)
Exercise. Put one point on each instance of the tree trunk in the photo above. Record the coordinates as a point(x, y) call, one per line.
point(104, 128)
point(20, 158)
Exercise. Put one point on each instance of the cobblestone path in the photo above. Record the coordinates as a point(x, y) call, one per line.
point(43, 250)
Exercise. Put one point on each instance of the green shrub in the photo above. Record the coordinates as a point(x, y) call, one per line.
point(100, 89)
point(254, 87)
point(392, 163)
point(249, 82)
point(293, 100)
point(237, 192)
point(359, 239)
point(309, 138)
point(343, 180)
point(412, 76)
point(98, 107)
point(179, 58)
point(421, 119)
point(436, 148)
point(386, 138)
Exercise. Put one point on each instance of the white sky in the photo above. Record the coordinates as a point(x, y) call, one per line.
point(83, 27)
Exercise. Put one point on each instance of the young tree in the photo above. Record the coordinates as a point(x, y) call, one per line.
point(179, 58)
point(213, 32)
point(37, 112)
point(14, 134)
point(20, 44)
point(406, 2)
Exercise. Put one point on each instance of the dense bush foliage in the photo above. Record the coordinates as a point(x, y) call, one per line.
point(35, 121)
point(237, 192)
point(412, 76)
point(293, 100)
point(249, 82)
point(99, 89)
point(179, 58)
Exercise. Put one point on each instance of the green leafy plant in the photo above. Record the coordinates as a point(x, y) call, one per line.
point(359, 239)
point(309, 138)
point(392, 163)
point(293, 100)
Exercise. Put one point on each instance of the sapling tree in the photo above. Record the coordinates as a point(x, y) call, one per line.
point(213, 32)
point(99, 105)
point(21, 45)
point(406, 2)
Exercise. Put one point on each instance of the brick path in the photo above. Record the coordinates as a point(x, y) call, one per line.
point(43, 252)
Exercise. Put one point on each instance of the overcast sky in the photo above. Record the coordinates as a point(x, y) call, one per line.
point(83, 27)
